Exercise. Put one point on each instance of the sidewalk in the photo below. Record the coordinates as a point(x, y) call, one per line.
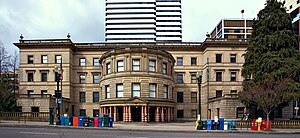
point(178, 127)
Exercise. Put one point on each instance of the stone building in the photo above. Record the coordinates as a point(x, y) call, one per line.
point(144, 82)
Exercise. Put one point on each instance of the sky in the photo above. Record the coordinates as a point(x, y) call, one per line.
point(84, 19)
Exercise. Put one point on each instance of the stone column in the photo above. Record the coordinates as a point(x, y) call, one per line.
point(162, 114)
point(110, 111)
point(115, 113)
point(129, 114)
point(124, 113)
point(146, 114)
point(169, 114)
point(172, 114)
point(142, 116)
point(157, 114)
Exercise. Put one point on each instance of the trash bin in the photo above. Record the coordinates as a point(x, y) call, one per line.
point(67, 120)
point(96, 122)
point(226, 125)
point(62, 120)
point(105, 120)
point(70, 120)
point(199, 125)
point(221, 123)
point(208, 124)
point(100, 120)
point(91, 121)
point(75, 121)
point(80, 120)
point(204, 124)
point(233, 123)
point(111, 121)
point(85, 122)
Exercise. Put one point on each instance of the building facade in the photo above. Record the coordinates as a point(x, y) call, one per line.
point(233, 28)
point(143, 21)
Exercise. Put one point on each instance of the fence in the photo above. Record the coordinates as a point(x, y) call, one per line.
point(275, 124)
point(25, 116)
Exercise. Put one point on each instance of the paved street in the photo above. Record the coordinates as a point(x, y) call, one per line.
point(33, 132)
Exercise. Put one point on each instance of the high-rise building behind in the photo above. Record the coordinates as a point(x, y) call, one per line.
point(143, 21)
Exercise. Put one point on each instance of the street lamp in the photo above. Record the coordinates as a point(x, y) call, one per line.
point(199, 78)
point(57, 93)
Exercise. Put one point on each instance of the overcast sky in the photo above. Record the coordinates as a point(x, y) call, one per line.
point(84, 19)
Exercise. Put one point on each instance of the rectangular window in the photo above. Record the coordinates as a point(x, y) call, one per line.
point(193, 113)
point(218, 93)
point(219, 76)
point(82, 112)
point(179, 61)
point(57, 58)
point(82, 97)
point(164, 68)
point(193, 97)
point(44, 59)
point(107, 68)
point(96, 79)
point(82, 79)
point(193, 78)
point(239, 112)
point(233, 91)
point(82, 62)
point(152, 90)
point(179, 78)
point(95, 97)
point(120, 90)
point(30, 77)
point(120, 65)
point(136, 65)
point(136, 90)
point(232, 58)
point(43, 92)
point(30, 59)
point(180, 114)
point(152, 64)
point(218, 58)
point(30, 93)
point(44, 77)
point(179, 97)
point(96, 62)
point(193, 61)
point(232, 76)
point(166, 91)
point(107, 91)
point(95, 112)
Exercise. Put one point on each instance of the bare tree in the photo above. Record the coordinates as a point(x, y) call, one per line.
point(4, 59)
point(14, 65)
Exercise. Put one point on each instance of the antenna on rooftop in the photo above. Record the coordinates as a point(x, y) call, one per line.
point(242, 11)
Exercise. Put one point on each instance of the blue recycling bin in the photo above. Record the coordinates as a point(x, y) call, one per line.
point(62, 120)
point(209, 124)
point(233, 123)
point(221, 121)
point(80, 120)
point(71, 121)
point(111, 121)
point(100, 120)
point(229, 124)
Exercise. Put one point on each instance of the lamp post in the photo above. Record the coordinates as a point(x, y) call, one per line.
point(57, 93)
point(199, 78)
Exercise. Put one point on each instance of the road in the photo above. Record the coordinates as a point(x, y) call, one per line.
point(47, 132)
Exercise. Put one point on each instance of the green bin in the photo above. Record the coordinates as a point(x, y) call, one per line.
point(91, 122)
point(67, 118)
point(204, 125)
point(105, 120)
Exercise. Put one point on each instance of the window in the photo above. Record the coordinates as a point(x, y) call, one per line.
point(30, 92)
point(179, 78)
point(218, 93)
point(107, 68)
point(136, 90)
point(95, 97)
point(193, 61)
point(57, 58)
point(232, 58)
point(232, 76)
point(239, 112)
point(179, 97)
point(120, 65)
point(30, 77)
point(107, 91)
point(218, 58)
point(96, 79)
point(233, 91)
point(135, 64)
point(82, 112)
point(96, 62)
point(193, 97)
point(193, 113)
point(152, 90)
point(193, 78)
point(95, 112)
point(152, 64)
point(43, 92)
point(30, 59)
point(44, 76)
point(82, 62)
point(219, 76)
point(82, 79)
point(120, 90)
point(164, 68)
point(44, 59)
point(166, 90)
point(82, 97)
point(180, 114)
point(179, 61)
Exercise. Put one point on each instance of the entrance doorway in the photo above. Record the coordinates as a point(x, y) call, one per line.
point(152, 114)
point(120, 113)
point(136, 113)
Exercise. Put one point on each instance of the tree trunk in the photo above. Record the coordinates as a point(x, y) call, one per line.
point(268, 121)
